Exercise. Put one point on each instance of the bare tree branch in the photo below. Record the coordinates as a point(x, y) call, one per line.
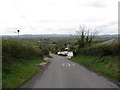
point(85, 36)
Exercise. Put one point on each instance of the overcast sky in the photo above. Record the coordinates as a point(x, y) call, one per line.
point(57, 16)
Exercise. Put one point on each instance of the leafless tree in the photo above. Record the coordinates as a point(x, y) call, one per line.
point(85, 36)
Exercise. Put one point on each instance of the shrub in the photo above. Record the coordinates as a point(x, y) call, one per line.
point(45, 52)
point(13, 50)
point(100, 50)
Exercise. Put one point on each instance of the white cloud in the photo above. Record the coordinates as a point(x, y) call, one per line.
point(57, 16)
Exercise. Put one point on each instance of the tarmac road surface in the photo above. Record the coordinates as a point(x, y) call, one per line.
point(63, 73)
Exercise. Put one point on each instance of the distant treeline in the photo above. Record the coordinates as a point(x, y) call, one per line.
point(56, 35)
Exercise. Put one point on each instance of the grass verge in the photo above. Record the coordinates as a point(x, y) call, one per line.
point(18, 72)
point(49, 56)
point(107, 65)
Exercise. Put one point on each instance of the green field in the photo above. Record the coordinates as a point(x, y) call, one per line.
point(107, 65)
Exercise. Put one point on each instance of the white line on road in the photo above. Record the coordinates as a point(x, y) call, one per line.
point(68, 64)
point(63, 64)
point(73, 64)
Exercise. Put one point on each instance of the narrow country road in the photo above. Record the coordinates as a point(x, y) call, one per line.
point(63, 73)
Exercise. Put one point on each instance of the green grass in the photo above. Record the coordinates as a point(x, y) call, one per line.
point(18, 62)
point(107, 65)
point(49, 56)
point(19, 72)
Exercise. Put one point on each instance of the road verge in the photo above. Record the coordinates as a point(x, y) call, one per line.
point(97, 65)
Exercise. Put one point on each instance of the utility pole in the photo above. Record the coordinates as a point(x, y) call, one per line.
point(18, 34)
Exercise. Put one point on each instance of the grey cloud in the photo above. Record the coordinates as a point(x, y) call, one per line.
point(108, 31)
point(65, 30)
point(11, 30)
point(108, 28)
point(55, 21)
point(95, 19)
point(108, 25)
point(96, 4)
point(24, 17)
point(46, 21)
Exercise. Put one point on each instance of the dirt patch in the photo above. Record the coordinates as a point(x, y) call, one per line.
point(42, 64)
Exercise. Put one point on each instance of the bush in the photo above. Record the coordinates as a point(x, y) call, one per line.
point(100, 50)
point(18, 63)
point(13, 50)
point(45, 52)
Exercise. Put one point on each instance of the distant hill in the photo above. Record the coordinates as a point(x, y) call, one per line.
point(40, 35)
point(56, 35)
point(107, 35)
point(48, 35)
